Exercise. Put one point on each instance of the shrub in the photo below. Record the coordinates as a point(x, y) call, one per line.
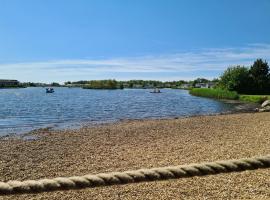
point(235, 79)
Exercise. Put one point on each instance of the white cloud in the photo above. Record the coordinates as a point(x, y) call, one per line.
point(213, 61)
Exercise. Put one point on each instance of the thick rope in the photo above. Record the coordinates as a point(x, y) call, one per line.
point(141, 175)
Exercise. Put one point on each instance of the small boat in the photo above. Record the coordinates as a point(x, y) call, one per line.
point(49, 90)
point(156, 90)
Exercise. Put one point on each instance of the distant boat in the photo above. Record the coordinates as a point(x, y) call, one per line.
point(49, 90)
point(156, 90)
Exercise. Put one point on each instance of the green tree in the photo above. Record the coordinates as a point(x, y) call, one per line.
point(121, 86)
point(54, 84)
point(130, 84)
point(259, 72)
point(235, 79)
point(199, 80)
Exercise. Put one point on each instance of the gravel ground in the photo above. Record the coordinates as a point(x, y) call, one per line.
point(145, 144)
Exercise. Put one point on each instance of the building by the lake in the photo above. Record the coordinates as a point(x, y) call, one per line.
point(186, 86)
point(8, 83)
point(204, 85)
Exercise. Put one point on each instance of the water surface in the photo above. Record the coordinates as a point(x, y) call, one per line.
point(22, 110)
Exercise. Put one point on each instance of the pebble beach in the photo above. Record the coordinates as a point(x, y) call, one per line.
point(136, 144)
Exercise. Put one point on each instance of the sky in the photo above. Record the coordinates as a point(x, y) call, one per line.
point(70, 40)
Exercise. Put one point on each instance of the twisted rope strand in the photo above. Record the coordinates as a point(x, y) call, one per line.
point(141, 175)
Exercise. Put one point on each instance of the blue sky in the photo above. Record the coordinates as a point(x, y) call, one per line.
point(60, 40)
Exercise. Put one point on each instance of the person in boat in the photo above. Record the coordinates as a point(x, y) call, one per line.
point(49, 90)
point(156, 90)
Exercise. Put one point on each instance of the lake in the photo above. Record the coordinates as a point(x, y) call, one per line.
point(22, 110)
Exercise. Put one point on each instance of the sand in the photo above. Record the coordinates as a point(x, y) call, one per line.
point(144, 144)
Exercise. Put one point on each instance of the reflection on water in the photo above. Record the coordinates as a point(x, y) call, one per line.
point(26, 109)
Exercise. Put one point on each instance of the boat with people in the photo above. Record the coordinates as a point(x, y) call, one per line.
point(156, 90)
point(49, 90)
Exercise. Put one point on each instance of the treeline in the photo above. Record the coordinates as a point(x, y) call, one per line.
point(32, 84)
point(101, 84)
point(247, 80)
point(113, 84)
point(150, 84)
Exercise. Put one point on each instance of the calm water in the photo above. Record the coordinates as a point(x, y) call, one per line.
point(26, 109)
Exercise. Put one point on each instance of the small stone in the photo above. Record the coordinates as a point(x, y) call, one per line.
point(266, 103)
point(265, 109)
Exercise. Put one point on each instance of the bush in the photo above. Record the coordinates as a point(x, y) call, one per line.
point(214, 93)
point(235, 79)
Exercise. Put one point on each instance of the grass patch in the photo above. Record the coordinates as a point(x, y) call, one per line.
point(225, 94)
point(254, 98)
point(214, 93)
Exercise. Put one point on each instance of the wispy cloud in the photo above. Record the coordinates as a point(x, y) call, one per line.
point(203, 62)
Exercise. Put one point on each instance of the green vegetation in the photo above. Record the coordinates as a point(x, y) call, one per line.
point(54, 84)
point(11, 86)
point(102, 84)
point(245, 80)
point(252, 82)
point(254, 98)
point(234, 79)
point(142, 84)
point(214, 93)
point(4, 83)
point(225, 94)
point(32, 84)
point(107, 84)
